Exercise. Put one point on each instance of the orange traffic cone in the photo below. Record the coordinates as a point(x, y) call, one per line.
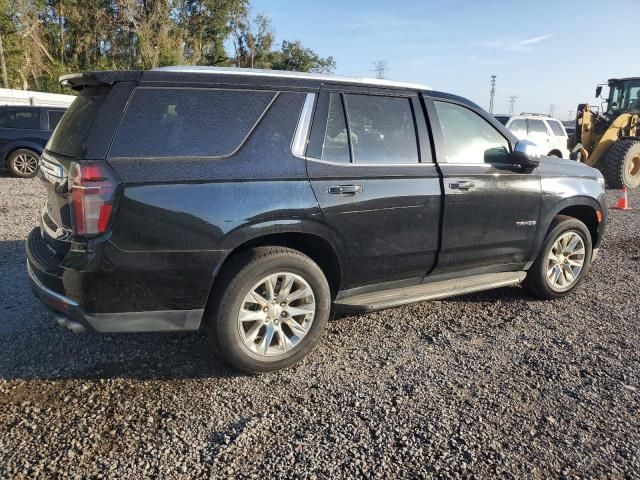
point(623, 203)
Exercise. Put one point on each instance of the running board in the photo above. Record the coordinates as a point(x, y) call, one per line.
point(428, 291)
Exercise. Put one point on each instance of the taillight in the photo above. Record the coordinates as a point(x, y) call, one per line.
point(93, 188)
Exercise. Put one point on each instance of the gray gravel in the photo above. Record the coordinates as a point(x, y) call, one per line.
point(477, 386)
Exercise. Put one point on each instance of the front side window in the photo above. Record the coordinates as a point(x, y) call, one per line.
point(18, 118)
point(382, 129)
point(336, 141)
point(182, 122)
point(469, 138)
point(519, 127)
point(537, 126)
point(556, 128)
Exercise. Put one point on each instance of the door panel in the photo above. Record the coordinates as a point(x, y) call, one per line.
point(389, 229)
point(492, 223)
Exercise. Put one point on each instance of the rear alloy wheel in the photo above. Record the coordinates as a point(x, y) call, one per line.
point(622, 164)
point(23, 163)
point(564, 260)
point(269, 308)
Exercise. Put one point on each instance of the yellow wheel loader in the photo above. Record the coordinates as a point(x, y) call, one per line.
point(608, 138)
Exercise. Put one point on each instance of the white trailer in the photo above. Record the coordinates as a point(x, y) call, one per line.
point(26, 97)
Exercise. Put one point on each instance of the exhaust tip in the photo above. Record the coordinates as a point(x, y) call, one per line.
point(69, 324)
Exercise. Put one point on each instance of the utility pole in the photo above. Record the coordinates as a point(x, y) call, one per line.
point(512, 103)
point(380, 67)
point(570, 114)
point(552, 109)
point(493, 93)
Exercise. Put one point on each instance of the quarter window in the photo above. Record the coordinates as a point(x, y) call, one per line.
point(336, 141)
point(556, 128)
point(54, 118)
point(381, 129)
point(177, 122)
point(537, 126)
point(469, 138)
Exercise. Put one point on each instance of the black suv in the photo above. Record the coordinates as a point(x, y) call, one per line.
point(24, 131)
point(251, 204)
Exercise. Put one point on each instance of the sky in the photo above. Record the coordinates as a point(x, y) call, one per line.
point(544, 52)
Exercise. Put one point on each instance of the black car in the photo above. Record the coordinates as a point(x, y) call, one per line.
point(252, 204)
point(24, 131)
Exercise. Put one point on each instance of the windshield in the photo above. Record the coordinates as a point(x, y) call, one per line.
point(624, 96)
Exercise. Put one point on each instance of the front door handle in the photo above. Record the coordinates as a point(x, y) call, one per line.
point(462, 185)
point(345, 189)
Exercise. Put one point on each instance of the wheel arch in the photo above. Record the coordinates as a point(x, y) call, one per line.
point(581, 208)
point(313, 242)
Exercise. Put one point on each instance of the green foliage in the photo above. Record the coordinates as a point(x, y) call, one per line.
point(44, 39)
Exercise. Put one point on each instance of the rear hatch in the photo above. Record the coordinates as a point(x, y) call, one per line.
point(73, 167)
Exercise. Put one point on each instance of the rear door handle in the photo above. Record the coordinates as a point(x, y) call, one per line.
point(345, 189)
point(462, 185)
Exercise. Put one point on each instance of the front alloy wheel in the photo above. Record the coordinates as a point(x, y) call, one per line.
point(565, 261)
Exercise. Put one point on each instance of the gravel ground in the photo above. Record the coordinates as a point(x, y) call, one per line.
point(476, 386)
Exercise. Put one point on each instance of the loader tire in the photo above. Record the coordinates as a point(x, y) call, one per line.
point(622, 164)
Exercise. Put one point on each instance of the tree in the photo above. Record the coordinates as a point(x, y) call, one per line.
point(293, 56)
point(43, 39)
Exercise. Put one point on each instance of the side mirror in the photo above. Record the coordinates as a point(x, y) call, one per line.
point(598, 91)
point(526, 153)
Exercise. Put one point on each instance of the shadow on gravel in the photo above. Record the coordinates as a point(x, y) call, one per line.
point(32, 346)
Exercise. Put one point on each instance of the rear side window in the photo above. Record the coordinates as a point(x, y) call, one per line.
point(537, 126)
point(54, 118)
point(382, 129)
point(179, 122)
point(556, 128)
point(336, 141)
point(68, 138)
point(17, 118)
point(518, 127)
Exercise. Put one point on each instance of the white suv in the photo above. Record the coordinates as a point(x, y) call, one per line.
point(546, 132)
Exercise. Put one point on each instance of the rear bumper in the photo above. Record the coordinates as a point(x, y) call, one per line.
point(46, 278)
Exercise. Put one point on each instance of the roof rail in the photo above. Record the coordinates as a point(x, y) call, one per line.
point(536, 114)
point(288, 74)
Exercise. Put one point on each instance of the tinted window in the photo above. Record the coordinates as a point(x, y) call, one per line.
point(382, 129)
point(519, 127)
point(537, 126)
point(17, 118)
point(336, 143)
point(54, 118)
point(68, 138)
point(469, 138)
point(174, 122)
point(502, 119)
point(556, 128)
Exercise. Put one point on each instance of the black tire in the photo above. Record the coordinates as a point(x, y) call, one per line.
point(18, 167)
point(622, 164)
point(237, 280)
point(536, 281)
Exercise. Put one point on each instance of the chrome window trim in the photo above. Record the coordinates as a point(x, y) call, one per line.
point(369, 165)
point(299, 142)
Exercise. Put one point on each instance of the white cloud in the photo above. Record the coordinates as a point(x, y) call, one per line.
point(516, 45)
